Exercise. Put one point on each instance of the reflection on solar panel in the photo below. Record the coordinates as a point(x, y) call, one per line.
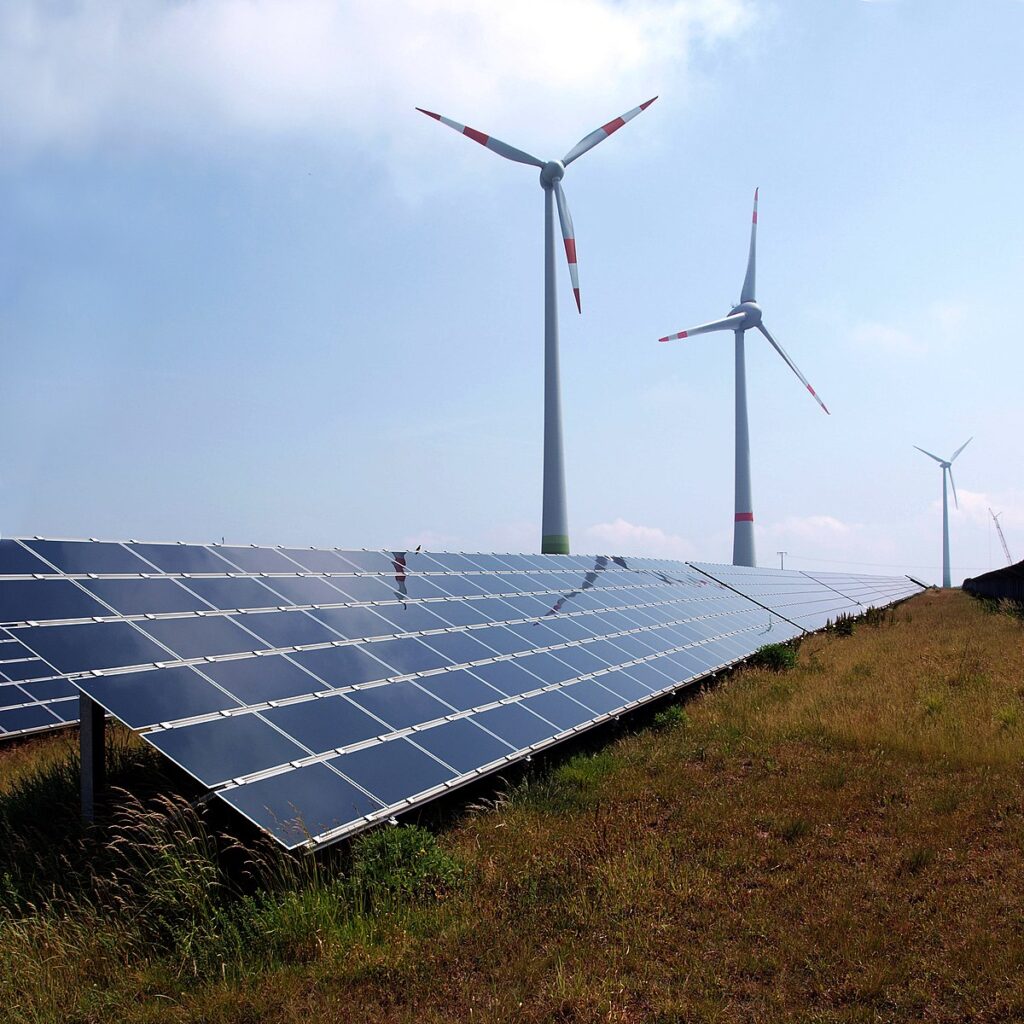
point(318, 691)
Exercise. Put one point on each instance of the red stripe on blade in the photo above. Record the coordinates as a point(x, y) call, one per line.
point(755, 216)
point(644, 106)
point(570, 249)
point(744, 517)
point(576, 293)
point(476, 136)
point(429, 113)
point(612, 126)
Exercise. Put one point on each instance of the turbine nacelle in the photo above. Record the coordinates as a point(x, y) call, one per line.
point(551, 173)
point(751, 313)
point(747, 315)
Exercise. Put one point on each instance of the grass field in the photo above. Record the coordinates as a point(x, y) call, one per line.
point(839, 841)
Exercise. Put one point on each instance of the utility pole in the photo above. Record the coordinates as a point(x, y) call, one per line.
point(782, 558)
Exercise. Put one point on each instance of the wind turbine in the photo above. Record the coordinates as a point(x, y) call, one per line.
point(554, 521)
point(742, 318)
point(947, 467)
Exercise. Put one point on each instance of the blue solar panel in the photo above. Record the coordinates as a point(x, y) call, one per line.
point(88, 556)
point(309, 801)
point(317, 691)
point(792, 595)
point(868, 591)
point(812, 599)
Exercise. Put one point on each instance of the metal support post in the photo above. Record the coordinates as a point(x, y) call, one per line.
point(92, 726)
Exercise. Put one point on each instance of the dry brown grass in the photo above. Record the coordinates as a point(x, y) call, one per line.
point(838, 843)
point(20, 758)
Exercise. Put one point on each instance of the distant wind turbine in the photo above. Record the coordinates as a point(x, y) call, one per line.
point(947, 467)
point(742, 318)
point(555, 521)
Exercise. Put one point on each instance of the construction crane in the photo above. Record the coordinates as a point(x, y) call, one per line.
point(1002, 539)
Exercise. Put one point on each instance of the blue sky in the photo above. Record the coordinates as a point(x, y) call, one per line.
point(246, 291)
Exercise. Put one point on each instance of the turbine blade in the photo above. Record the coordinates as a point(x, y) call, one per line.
point(728, 323)
point(930, 456)
point(961, 448)
point(602, 133)
point(747, 295)
point(493, 144)
point(569, 237)
point(956, 500)
point(789, 362)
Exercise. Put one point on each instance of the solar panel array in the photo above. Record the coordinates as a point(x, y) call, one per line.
point(811, 600)
point(319, 690)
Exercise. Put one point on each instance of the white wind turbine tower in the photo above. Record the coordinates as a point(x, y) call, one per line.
point(947, 467)
point(555, 521)
point(742, 318)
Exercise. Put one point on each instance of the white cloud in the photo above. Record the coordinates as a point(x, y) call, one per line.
point(825, 542)
point(624, 538)
point(975, 505)
point(819, 529)
point(91, 73)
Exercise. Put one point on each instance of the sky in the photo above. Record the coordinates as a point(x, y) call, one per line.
point(246, 291)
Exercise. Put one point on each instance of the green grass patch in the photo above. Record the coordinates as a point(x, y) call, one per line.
point(405, 862)
point(572, 785)
point(774, 657)
point(793, 829)
point(672, 717)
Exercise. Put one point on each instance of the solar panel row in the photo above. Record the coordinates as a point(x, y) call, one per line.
point(811, 600)
point(317, 691)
